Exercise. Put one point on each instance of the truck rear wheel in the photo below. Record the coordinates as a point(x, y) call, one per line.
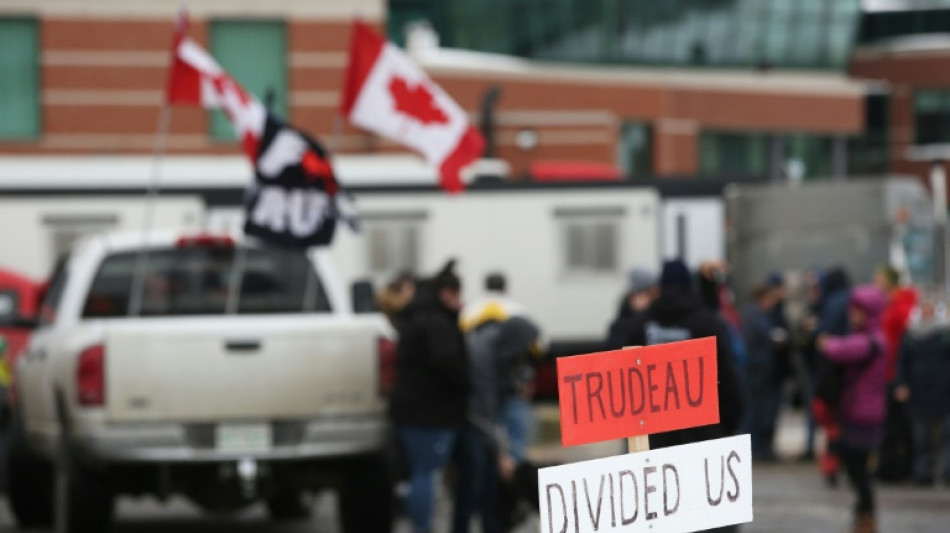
point(82, 500)
point(29, 482)
point(366, 498)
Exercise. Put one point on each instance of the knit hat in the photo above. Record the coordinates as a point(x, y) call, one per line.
point(641, 279)
point(446, 278)
point(775, 279)
point(676, 274)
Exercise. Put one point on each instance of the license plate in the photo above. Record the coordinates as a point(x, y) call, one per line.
point(243, 437)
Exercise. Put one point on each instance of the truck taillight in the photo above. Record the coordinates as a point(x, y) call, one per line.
point(205, 240)
point(386, 350)
point(91, 377)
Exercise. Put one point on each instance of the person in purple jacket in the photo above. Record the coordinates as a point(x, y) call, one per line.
point(863, 395)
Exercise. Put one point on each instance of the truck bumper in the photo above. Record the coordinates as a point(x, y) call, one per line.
point(192, 443)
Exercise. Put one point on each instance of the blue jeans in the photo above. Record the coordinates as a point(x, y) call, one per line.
point(478, 478)
point(519, 424)
point(427, 450)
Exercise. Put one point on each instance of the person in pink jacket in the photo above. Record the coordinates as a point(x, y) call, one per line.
point(864, 393)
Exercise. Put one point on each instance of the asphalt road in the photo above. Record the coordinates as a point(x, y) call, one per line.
point(788, 498)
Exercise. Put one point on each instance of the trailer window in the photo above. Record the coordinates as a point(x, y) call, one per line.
point(393, 246)
point(590, 244)
point(197, 281)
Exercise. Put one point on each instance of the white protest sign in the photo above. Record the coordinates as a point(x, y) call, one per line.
point(674, 490)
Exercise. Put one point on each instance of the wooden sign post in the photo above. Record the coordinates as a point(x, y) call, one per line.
point(630, 394)
point(640, 443)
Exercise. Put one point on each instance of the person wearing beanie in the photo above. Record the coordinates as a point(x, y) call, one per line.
point(642, 289)
point(862, 355)
point(832, 309)
point(763, 367)
point(678, 315)
point(429, 399)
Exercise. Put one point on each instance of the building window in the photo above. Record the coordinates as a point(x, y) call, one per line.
point(809, 155)
point(932, 116)
point(393, 246)
point(732, 154)
point(868, 153)
point(635, 153)
point(255, 53)
point(590, 241)
point(761, 154)
point(19, 79)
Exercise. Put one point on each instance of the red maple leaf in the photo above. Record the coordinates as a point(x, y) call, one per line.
point(416, 101)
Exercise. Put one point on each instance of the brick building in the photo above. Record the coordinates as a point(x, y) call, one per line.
point(84, 77)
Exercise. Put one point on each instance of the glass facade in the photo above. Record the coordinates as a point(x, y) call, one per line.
point(255, 53)
point(726, 33)
point(19, 79)
point(884, 25)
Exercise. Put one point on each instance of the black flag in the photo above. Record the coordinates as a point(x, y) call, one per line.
point(293, 201)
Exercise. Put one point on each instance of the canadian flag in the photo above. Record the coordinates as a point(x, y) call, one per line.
point(294, 199)
point(197, 79)
point(386, 93)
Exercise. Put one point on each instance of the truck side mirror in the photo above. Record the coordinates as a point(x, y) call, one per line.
point(364, 297)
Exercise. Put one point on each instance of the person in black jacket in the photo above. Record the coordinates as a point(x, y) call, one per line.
point(678, 315)
point(428, 404)
point(923, 367)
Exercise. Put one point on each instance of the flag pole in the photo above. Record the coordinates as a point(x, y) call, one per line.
point(151, 197)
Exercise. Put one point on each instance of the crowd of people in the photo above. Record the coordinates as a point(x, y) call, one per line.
point(867, 364)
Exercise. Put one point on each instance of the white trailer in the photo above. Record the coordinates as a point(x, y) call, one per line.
point(566, 252)
point(37, 230)
point(566, 249)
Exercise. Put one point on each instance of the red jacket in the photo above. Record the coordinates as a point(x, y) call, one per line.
point(894, 322)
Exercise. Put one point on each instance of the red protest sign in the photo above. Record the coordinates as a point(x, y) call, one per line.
point(638, 391)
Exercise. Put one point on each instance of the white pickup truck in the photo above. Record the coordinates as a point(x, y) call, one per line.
point(245, 376)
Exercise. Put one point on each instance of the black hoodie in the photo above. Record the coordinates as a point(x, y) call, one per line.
point(678, 315)
point(432, 383)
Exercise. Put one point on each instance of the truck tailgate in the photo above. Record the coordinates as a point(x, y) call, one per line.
point(241, 368)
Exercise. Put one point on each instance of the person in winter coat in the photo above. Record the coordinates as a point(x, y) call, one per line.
point(429, 399)
point(832, 320)
point(922, 383)
point(678, 315)
point(496, 349)
point(895, 461)
point(862, 355)
point(763, 370)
